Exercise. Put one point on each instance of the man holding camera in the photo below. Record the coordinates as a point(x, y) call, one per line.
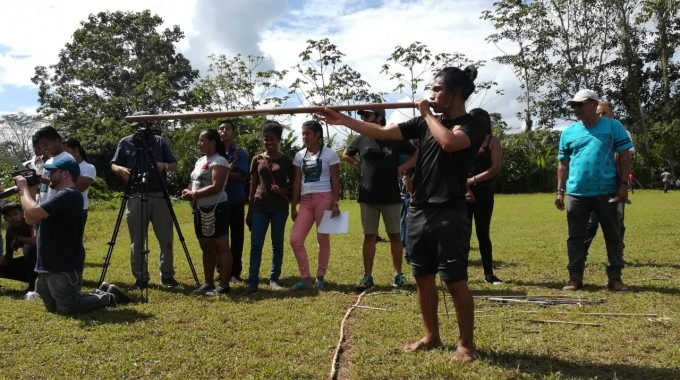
point(131, 152)
point(49, 141)
point(60, 258)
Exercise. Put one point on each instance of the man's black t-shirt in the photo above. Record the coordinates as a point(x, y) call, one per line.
point(440, 176)
point(379, 166)
point(60, 240)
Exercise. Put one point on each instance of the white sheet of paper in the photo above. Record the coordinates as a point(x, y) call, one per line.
point(337, 225)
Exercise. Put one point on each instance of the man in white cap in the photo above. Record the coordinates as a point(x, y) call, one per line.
point(604, 109)
point(588, 169)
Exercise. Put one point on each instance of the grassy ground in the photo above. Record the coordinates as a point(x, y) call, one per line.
point(282, 335)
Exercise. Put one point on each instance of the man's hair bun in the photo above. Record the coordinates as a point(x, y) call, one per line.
point(471, 72)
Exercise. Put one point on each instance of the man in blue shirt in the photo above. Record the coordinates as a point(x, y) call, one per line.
point(236, 194)
point(60, 257)
point(587, 166)
point(153, 208)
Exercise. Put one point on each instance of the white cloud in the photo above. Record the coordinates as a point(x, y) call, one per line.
point(33, 32)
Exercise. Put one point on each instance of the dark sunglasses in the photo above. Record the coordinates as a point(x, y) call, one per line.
point(578, 104)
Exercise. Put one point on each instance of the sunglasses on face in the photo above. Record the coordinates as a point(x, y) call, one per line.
point(578, 104)
point(367, 115)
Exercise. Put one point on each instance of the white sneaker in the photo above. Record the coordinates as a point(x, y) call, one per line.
point(275, 285)
point(234, 280)
point(31, 296)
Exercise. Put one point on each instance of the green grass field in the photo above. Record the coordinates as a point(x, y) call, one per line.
point(293, 336)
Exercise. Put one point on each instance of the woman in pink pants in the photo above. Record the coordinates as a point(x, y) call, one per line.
point(316, 188)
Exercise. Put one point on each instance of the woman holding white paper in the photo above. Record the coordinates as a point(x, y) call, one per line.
point(316, 188)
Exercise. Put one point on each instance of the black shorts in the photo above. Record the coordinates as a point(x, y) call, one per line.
point(221, 221)
point(439, 241)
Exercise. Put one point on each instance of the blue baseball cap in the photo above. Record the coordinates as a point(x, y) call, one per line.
point(66, 163)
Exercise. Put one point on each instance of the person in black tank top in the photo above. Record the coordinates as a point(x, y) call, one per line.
point(480, 195)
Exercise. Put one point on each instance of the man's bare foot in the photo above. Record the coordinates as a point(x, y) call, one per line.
point(463, 355)
point(423, 345)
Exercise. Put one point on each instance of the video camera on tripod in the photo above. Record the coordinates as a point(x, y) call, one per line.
point(144, 134)
point(31, 179)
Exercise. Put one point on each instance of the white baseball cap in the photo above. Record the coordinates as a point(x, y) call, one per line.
point(584, 95)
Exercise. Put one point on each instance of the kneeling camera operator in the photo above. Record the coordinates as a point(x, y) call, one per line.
point(60, 255)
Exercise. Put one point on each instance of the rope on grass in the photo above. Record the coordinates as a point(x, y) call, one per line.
point(338, 349)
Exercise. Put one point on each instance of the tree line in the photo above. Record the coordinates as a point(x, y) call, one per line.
point(121, 62)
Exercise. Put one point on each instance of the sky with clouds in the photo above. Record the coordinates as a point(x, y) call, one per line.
point(367, 31)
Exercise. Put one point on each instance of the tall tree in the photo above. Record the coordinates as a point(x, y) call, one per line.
point(323, 79)
point(239, 83)
point(665, 14)
point(116, 63)
point(412, 67)
point(16, 132)
point(522, 23)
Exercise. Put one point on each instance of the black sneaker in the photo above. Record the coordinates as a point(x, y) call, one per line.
point(104, 287)
point(120, 296)
point(139, 284)
point(492, 279)
point(249, 292)
point(169, 282)
point(204, 288)
point(218, 291)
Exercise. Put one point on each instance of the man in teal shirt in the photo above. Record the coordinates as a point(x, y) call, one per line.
point(593, 184)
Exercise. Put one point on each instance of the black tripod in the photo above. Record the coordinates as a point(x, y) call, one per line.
point(143, 141)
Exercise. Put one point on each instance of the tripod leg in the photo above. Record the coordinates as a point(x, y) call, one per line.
point(166, 196)
point(112, 242)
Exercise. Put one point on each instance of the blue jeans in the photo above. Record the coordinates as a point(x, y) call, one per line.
point(260, 224)
point(578, 214)
point(406, 201)
point(60, 293)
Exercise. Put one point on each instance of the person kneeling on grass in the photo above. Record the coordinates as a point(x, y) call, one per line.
point(60, 254)
point(19, 235)
point(438, 228)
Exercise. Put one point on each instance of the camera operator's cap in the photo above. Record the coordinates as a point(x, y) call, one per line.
point(66, 163)
point(378, 112)
point(582, 96)
point(139, 113)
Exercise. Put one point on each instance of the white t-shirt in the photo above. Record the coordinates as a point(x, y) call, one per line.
point(316, 172)
point(45, 192)
point(201, 177)
point(87, 170)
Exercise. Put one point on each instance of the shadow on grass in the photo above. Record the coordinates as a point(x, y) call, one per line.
point(546, 366)
point(597, 287)
point(89, 264)
point(123, 315)
point(498, 292)
point(497, 264)
point(655, 289)
point(652, 265)
point(12, 293)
